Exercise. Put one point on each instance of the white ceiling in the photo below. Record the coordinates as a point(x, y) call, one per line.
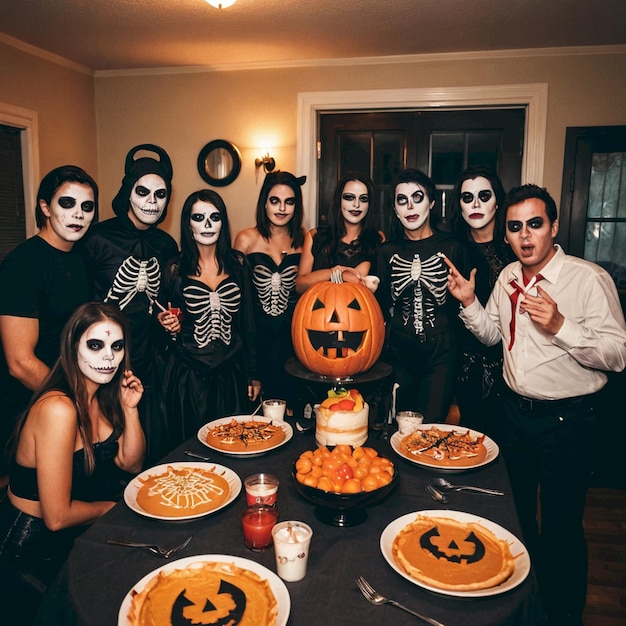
point(139, 34)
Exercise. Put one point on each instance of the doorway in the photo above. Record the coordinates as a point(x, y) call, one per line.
point(592, 225)
point(440, 143)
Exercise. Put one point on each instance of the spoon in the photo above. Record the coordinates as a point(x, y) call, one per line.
point(442, 483)
point(197, 456)
point(436, 495)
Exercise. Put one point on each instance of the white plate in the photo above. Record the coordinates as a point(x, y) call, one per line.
point(277, 585)
point(492, 448)
point(204, 431)
point(522, 562)
point(130, 493)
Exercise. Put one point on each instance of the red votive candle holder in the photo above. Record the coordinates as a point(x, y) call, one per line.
point(257, 522)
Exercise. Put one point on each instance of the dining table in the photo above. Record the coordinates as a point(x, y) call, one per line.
point(96, 577)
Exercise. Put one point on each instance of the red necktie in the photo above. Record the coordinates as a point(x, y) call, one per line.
point(514, 295)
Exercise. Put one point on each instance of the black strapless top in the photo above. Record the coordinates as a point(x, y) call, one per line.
point(88, 488)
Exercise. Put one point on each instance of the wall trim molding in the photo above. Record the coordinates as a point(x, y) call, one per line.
point(533, 96)
point(437, 57)
point(28, 122)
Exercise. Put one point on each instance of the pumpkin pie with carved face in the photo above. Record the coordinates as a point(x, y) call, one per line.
point(205, 594)
point(449, 554)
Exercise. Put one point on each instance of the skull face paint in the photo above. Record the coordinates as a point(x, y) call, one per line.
point(100, 351)
point(69, 213)
point(355, 201)
point(478, 202)
point(206, 223)
point(147, 201)
point(412, 206)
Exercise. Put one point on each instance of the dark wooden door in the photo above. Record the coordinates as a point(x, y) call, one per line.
point(440, 143)
point(592, 225)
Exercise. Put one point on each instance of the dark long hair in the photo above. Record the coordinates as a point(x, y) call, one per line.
point(412, 175)
point(66, 376)
point(57, 177)
point(296, 232)
point(335, 229)
point(228, 260)
point(459, 226)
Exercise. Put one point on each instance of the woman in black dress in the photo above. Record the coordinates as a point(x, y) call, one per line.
point(344, 248)
point(475, 219)
point(211, 371)
point(273, 249)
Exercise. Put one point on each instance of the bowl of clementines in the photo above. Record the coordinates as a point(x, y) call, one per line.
point(342, 481)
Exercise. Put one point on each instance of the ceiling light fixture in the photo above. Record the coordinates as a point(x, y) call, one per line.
point(221, 4)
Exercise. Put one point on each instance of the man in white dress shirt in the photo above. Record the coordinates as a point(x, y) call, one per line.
point(561, 324)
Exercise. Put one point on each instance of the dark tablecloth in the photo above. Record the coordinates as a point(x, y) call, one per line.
point(96, 577)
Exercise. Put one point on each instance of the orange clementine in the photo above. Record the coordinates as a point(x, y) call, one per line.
point(352, 485)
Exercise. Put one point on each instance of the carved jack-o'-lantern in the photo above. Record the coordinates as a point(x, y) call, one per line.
point(453, 547)
point(337, 329)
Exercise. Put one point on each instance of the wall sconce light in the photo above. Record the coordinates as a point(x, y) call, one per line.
point(266, 162)
point(221, 4)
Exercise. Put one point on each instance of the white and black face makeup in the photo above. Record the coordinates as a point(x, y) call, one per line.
point(69, 213)
point(478, 202)
point(355, 201)
point(100, 351)
point(147, 201)
point(206, 223)
point(280, 205)
point(412, 206)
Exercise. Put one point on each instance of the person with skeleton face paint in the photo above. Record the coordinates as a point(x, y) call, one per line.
point(344, 249)
point(80, 429)
point(42, 281)
point(422, 323)
point(476, 218)
point(211, 371)
point(127, 256)
point(273, 249)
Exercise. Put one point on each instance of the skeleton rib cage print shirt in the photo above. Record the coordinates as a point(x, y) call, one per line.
point(127, 265)
point(413, 292)
point(217, 324)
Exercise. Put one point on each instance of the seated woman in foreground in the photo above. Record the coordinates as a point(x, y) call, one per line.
point(81, 424)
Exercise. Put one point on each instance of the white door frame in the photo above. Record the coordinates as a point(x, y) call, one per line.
point(27, 121)
point(534, 97)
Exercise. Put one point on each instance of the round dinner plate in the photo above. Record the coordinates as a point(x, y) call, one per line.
point(492, 448)
point(518, 550)
point(204, 431)
point(130, 493)
point(276, 584)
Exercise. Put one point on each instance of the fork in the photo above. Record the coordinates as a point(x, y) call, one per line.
point(371, 595)
point(153, 547)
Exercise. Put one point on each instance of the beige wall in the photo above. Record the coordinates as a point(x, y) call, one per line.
point(181, 112)
point(64, 100)
point(94, 122)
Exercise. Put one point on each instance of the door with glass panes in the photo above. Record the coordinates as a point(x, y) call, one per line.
point(440, 143)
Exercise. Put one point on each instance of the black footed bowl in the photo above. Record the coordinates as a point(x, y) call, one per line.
point(342, 509)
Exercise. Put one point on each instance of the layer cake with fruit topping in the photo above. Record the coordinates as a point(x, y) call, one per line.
point(342, 418)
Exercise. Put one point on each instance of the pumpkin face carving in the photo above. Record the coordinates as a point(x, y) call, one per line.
point(453, 547)
point(337, 329)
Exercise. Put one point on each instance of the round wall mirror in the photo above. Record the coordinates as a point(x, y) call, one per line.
point(219, 163)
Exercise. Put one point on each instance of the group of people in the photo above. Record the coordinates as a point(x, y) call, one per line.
point(155, 342)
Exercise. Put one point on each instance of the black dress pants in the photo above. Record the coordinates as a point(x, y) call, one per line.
point(548, 448)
